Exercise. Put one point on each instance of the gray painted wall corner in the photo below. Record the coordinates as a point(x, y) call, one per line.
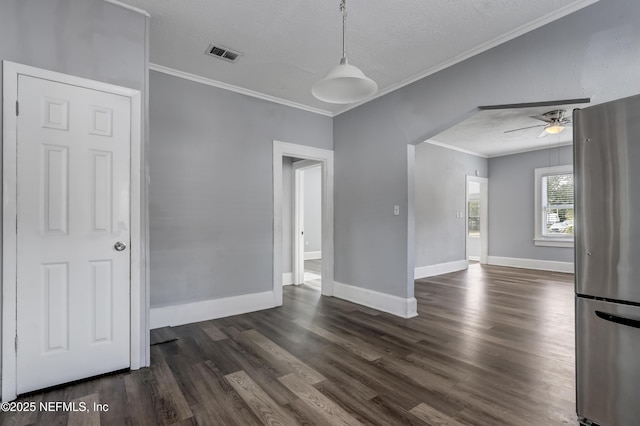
point(440, 182)
point(211, 201)
point(371, 177)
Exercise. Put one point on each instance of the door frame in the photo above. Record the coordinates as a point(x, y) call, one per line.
point(325, 158)
point(299, 167)
point(139, 348)
point(484, 220)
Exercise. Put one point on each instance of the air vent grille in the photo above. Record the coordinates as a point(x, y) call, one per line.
point(221, 52)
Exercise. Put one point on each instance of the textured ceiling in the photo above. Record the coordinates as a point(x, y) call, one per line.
point(484, 132)
point(288, 45)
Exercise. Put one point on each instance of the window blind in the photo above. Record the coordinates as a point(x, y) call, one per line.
point(557, 203)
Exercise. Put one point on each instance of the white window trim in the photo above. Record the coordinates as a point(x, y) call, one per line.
point(539, 239)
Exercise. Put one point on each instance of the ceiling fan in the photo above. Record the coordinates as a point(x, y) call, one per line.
point(555, 120)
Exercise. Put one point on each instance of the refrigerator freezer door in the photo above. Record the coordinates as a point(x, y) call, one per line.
point(608, 362)
point(607, 200)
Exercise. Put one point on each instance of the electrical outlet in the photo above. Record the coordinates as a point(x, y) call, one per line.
point(396, 210)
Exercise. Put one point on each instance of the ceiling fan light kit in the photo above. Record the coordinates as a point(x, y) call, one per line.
point(553, 129)
point(345, 83)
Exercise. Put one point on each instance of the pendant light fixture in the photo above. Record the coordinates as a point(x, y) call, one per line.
point(345, 83)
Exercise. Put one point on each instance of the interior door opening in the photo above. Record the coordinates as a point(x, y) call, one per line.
point(296, 163)
point(307, 223)
point(477, 246)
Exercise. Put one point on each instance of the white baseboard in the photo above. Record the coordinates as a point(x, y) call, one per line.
point(543, 265)
point(474, 258)
point(210, 309)
point(312, 255)
point(405, 308)
point(287, 278)
point(439, 269)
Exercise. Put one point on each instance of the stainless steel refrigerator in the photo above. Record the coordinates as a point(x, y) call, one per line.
point(607, 262)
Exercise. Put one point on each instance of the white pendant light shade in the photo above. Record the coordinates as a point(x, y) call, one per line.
point(344, 84)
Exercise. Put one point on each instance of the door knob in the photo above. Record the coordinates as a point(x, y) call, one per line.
point(119, 246)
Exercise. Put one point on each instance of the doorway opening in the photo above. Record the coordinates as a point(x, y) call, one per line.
point(293, 165)
point(307, 223)
point(477, 245)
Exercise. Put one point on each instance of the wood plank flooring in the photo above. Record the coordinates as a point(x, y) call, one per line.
point(491, 346)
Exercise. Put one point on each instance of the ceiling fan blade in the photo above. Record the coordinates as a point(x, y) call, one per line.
point(524, 128)
point(542, 118)
point(544, 134)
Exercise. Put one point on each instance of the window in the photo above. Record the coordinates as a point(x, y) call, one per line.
point(554, 206)
point(473, 208)
point(474, 217)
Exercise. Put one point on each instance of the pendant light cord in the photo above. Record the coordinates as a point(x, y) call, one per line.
point(343, 9)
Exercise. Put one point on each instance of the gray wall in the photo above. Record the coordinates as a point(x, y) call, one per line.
point(211, 196)
point(593, 53)
point(85, 38)
point(440, 192)
point(511, 204)
point(371, 176)
point(313, 209)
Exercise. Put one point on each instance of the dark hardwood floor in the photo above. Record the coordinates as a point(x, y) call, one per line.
point(491, 346)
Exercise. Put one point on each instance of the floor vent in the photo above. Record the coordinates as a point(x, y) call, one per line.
point(223, 53)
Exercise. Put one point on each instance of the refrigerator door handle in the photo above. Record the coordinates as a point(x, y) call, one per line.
point(618, 320)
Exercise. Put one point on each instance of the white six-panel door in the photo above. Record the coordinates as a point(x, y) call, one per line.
point(73, 285)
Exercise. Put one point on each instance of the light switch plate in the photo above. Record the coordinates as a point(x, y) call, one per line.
point(396, 210)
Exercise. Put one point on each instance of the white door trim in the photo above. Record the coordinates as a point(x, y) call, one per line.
point(484, 220)
point(325, 157)
point(138, 309)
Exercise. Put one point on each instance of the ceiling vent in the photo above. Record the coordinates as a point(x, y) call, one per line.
point(222, 53)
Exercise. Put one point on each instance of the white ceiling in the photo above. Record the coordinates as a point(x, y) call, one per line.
point(483, 133)
point(288, 45)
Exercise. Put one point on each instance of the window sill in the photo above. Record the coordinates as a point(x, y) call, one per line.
point(548, 242)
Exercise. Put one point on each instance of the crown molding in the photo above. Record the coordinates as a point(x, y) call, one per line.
point(237, 89)
point(455, 148)
point(540, 22)
point(126, 6)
